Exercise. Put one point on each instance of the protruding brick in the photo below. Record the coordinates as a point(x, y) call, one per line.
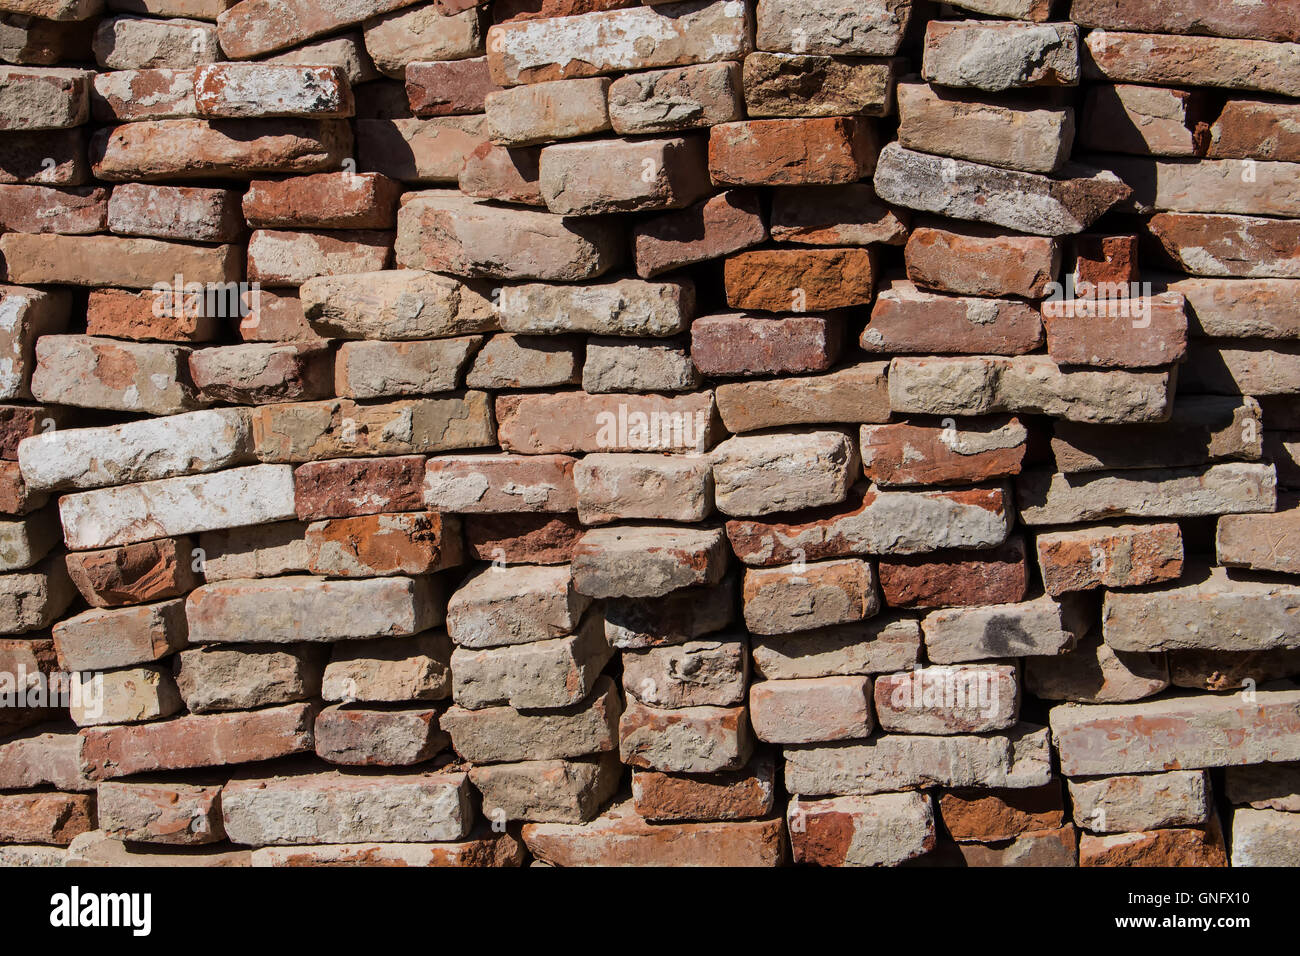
point(1000, 55)
point(906, 320)
point(667, 101)
point(792, 598)
point(99, 639)
point(323, 201)
point(1111, 556)
point(981, 261)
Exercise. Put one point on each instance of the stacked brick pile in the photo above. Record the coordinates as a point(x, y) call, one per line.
point(728, 432)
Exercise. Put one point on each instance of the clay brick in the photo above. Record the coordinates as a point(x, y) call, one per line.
point(112, 260)
point(1178, 798)
point(253, 27)
point(290, 258)
point(737, 344)
point(980, 261)
point(1096, 673)
point(567, 422)
point(219, 677)
point(723, 224)
point(873, 28)
point(783, 600)
point(855, 393)
point(41, 98)
point(1000, 55)
point(1191, 846)
point(1182, 16)
point(173, 814)
point(45, 817)
point(908, 320)
point(1156, 121)
point(608, 176)
point(1000, 576)
point(419, 150)
point(347, 487)
point(30, 314)
point(155, 315)
point(976, 449)
point(373, 545)
point(990, 816)
point(150, 94)
point(668, 101)
point(323, 201)
point(971, 698)
point(1161, 60)
point(366, 370)
point(509, 175)
point(518, 538)
point(727, 795)
point(782, 84)
point(779, 280)
point(258, 90)
point(647, 561)
point(492, 483)
point(651, 487)
point(449, 87)
point(261, 373)
point(369, 737)
point(26, 154)
point(1040, 627)
point(685, 740)
point(1250, 129)
point(649, 365)
point(389, 669)
point(1124, 555)
point(622, 307)
point(847, 215)
point(545, 112)
point(37, 209)
point(1116, 333)
point(396, 306)
point(120, 637)
point(792, 152)
point(811, 711)
point(89, 372)
point(423, 32)
point(175, 212)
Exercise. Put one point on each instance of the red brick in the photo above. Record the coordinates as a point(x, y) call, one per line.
point(448, 87)
point(76, 211)
point(1174, 847)
point(988, 816)
point(370, 545)
point(134, 573)
point(290, 258)
point(521, 538)
point(960, 451)
point(736, 344)
point(957, 579)
point(323, 201)
point(170, 814)
point(1117, 333)
point(784, 280)
point(970, 259)
point(149, 316)
point(498, 172)
point(722, 224)
point(1108, 259)
point(45, 817)
point(1256, 129)
point(906, 320)
point(347, 487)
point(175, 212)
point(792, 152)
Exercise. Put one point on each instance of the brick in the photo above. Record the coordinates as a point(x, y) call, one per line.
point(1180, 16)
point(819, 279)
point(547, 791)
point(668, 101)
point(396, 305)
point(972, 698)
point(608, 176)
point(125, 696)
point(45, 817)
point(783, 84)
point(17, 497)
point(40, 98)
point(97, 849)
point(32, 41)
point(855, 393)
point(848, 215)
point(874, 28)
point(621, 838)
point(171, 814)
point(875, 521)
point(1206, 185)
point(967, 259)
point(1111, 556)
point(509, 175)
point(793, 598)
point(1042, 626)
point(792, 152)
point(1264, 786)
point(341, 428)
point(881, 644)
point(422, 32)
point(1012, 132)
point(727, 795)
point(1260, 542)
point(1155, 121)
point(1195, 732)
point(990, 816)
point(261, 373)
point(1044, 848)
point(42, 209)
point(1101, 259)
point(520, 605)
point(622, 307)
point(637, 623)
point(411, 543)
point(389, 669)
point(1178, 798)
point(255, 551)
point(348, 487)
point(222, 678)
point(26, 154)
point(1000, 576)
point(711, 672)
point(738, 344)
point(1000, 55)
point(257, 90)
point(1254, 368)
point(761, 474)
point(1263, 838)
point(90, 372)
point(103, 638)
point(1173, 847)
point(1231, 487)
point(290, 258)
point(186, 742)
point(113, 260)
point(388, 369)
point(979, 385)
point(566, 422)
point(229, 149)
point(253, 27)
point(134, 43)
point(419, 150)
point(652, 487)
point(1116, 333)
point(42, 759)
point(1230, 670)
point(810, 711)
point(906, 319)
point(1017, 9)
point(492, 483)
point(157, 509)
point(896, 762)
point(539, 675)
point(348, 52)
point(23, 421)
point(300, 608)
point(150, 94)
point(616, 41)
point(1205, 610)
point(545, 112)
point(24, 541)
point(175, 212)
point(878, 830)
point(1155, 59)
point(1200, 429)
point(722, 224)
point(457, 234)
point(159, 314)
point(520, 538)
point(485, 850)
point(1249, 129)
point(28, 315)
point(323, 201)
point(369, 737)
point(448, 87)
point(504, 735)
point(685, 740)
point(1239, 308)
point(331, 807)
point(650, 365)
point(647, 561)
point(34, 599)
point(1096, 673)
point(976, 449)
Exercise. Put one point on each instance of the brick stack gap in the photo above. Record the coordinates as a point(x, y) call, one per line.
point(581, 432)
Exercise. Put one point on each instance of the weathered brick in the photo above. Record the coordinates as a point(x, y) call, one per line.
point(120, 637)
point(1147, 120)
point(1250, 129)
point(545, 112)
point(448, 87)
point(566, 422)
point(508, 175)
point(419, 150)
point(972, 450)
point(522, 538)
point(389, 669)
point(906, 319)
point(739, 344)
point(34, 599)
point(45, 817)
point(648, 365)
point(253, 27)
point(874, 28)
point(150, 94)
point(952, 579)
point(762, 474)
point(397, 305)
point(290, 258)
point(415, 542)
point(993, 815)
point(1000, 55)
point(1042, 626)
point(778, 280)
point(39, 209)
point(390, 369)
point(546, 674)
point(727, 795)
point(115, 260)
point(369, 737)
point(422, 32)
point(1189, 16)
point(255, 90)
point(622, 307)
point(784, 84)
point(175, 814)
point(1121, 555)
point(792, 152)
point(41, 98)
point(877, 830)
point(241, 677)
point(160, 314)
point(668, 101)
point(654, 487)
point(881, 644)
point(981, 261)
point(323, 201)
point(805, 597)
point(845, 215)
point(622, 175)
point(43, 759)
point(856, 393)
point(685, 740)
point(1263, 838)
point(1096, 673)
point(647, 561)
point(811, 710)
point(518, 605)
point(1157, 59)
point(29, 314)
point(1177, 798)
point(1191, 846)
point(549, 791)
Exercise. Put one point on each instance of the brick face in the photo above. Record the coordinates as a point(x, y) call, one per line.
point(591, 432)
